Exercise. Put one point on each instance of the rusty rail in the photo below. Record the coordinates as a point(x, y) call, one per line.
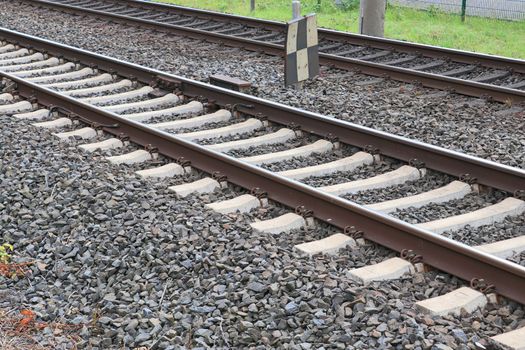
point(457, 164)
point(460, 86)
point(355, 39)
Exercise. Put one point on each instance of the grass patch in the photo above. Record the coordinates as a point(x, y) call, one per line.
point(491, 36)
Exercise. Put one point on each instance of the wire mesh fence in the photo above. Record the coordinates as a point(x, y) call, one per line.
point(497, 9)
point(501, 9)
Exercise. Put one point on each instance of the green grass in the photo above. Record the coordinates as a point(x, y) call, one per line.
point(496, 37)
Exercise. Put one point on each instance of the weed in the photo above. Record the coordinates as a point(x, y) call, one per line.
point(20, 331)
point(349, 5)
point(5, 256)
point(9, 269)
point(433, 11)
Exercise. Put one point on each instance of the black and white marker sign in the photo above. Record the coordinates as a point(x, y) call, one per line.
point(302, 50)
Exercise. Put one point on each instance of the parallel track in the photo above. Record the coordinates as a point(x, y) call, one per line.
point(444, 254)
point(499, 78)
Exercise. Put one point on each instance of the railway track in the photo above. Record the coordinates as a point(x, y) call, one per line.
point(104, 104)
point(499, 78)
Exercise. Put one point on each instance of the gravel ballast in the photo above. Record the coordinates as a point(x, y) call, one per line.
point(133, 266)
point(489, 130)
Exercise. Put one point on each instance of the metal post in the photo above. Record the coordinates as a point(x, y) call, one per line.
point(372, 17)
point(463, 10)
point(252, 5)
point(296, 9)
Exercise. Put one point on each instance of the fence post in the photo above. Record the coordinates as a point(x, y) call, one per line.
point(296, 9)
point(463, 9)
point(252, 5)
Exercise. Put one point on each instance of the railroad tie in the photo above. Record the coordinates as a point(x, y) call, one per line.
point(281, 224)
point(515, 339)
point(149, 103)
point(130, 158)
point(17, 107)
point(243, 204)
point(98, 79)
point(7, 48)
point(192, 107)
point(5, 97)
point(84, 133)
point(400, 60)
point(167, 170)
point(84, 92)
point(347, 164)
point(392, 178)
point(464, 298)
point(454, 190)
point(458, 71)
point(329, 245)
point(506, 248)
point(244, 127)
point(376, 55)
point(518, 85)
point(206, 185)
point(221, 115)
point(490, 77)
point(320, 146)
point(39, 114)
point(110, 143)
point(51, 62)
point(63, 68)
point(485, 216)
point(77, 74)
point(54, 124)
point(387, 270)
point(124, 96)
point(13, 54)
point(280, 136)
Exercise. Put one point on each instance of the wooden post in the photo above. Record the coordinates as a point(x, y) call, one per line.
point(252, 5)
point(463, 10)
point(296, 13)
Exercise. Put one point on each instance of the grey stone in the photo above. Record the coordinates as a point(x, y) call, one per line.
point(256, 287)
point(202, 309)
point(291, 308)
point(132, 325)
point(460, 335)
point(142, 337)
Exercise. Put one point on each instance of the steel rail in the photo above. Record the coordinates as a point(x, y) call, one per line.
point(488, 173)
point(437, 251)
point(352, 38)
point(461, 86)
